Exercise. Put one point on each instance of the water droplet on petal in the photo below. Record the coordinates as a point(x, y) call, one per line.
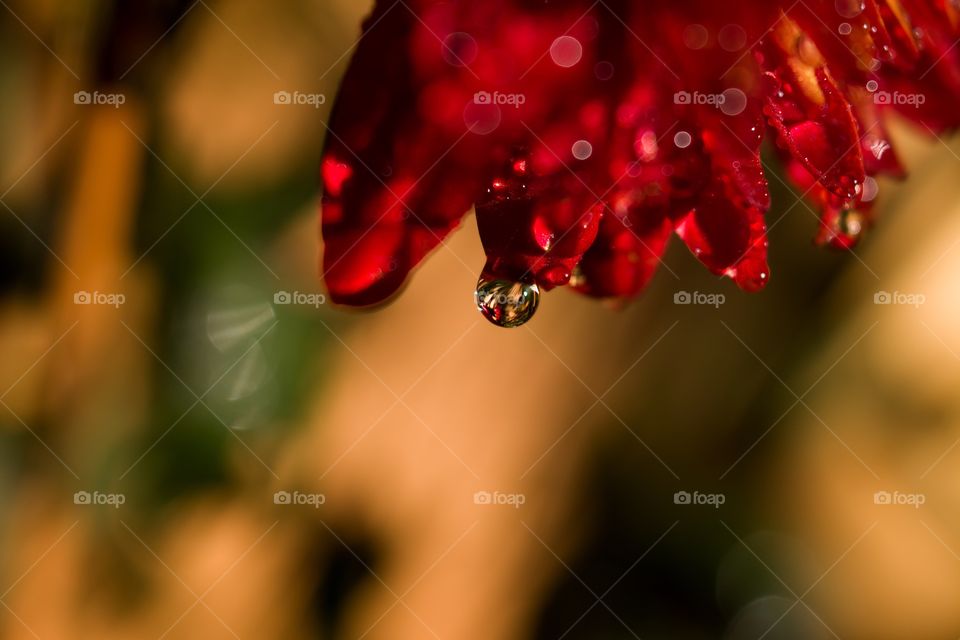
point(582, 149)
point(577, 278)
point(734, 102)
point(842, 228)
point(849, 8)
point(851, 223)
point(566, 51)
point(506, 303)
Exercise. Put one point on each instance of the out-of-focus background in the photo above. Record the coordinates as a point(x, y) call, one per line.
point(193, 444)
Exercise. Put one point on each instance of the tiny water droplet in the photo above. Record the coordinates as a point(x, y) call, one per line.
point(506, 303)
point(851, 223)
point(843, 229)
point(582, 149)
point(566, 51)
point(577, 278)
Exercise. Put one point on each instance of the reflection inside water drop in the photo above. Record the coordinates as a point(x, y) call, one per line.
point(851, 222)
point(506, 303)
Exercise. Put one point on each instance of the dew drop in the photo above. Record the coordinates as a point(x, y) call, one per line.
point(578, 278)
point(843, 229)
point(566, 51)
point(850, 223)
point(734, 102)
point(506, 303)
point(849, 8)
point(581, 149)
point(682, 139)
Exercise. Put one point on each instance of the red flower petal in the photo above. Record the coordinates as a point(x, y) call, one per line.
point(728, 238)
point(635, 118)
point(398, 174)
point(625, 255)
point(813, 119)
point(535, 228)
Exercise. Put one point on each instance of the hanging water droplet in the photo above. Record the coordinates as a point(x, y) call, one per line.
point(506, 303)
point(851, 223)
point(843, 228)
point(577, 277)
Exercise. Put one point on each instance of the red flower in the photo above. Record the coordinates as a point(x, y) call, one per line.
point(587, 133)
